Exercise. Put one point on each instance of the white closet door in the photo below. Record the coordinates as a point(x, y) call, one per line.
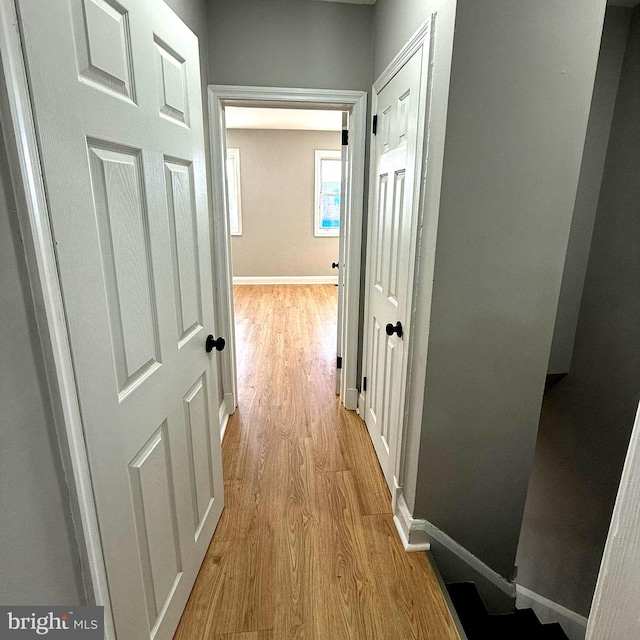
point(390, 263)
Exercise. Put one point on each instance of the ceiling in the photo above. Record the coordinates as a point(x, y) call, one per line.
point(301, 119)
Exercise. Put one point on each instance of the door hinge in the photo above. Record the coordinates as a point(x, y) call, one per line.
point(345, 137)
point(339, 362)
point(364, 383)
point(374, 128)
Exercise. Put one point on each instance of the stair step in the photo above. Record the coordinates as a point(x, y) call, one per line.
point(503, 625)
point(512, 626)
point(466, 593)
point(523, 624)
point(469, 607)
point(552, 631)
point(528, 618)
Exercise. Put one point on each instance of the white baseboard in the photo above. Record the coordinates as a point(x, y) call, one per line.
point(360, 408)
point(432, 532)
point(223, 417)
point(351, 399)
point(285, 279)
point(410, 529)
point(396, 493)
point(573, 624)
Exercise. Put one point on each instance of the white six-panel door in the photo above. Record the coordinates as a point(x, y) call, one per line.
point(390, 263)
point(115, 89)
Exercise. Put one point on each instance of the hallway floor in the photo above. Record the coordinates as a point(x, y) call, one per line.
point(306, 546)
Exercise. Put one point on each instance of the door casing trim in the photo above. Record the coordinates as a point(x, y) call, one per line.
point(33, 215)
point(355, 102)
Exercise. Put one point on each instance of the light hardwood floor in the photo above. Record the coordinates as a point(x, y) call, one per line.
point(306, 546)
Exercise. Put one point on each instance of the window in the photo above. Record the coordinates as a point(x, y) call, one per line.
point(327, 200)
point(233, 182)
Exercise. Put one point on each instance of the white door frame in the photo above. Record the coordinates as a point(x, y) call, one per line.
point(33, 215)
point(356, 103)
point(422, 38)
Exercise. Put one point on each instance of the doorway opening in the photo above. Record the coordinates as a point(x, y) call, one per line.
point(284, 175)
point(328, 214)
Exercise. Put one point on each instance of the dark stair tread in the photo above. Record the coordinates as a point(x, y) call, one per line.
point(529, 618)
point(511, 626)
point(466, 595)
point(469, 607)
point(523, 624)
point(552, 631)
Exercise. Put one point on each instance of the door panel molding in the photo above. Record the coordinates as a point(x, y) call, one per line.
point(42, 267)
point(355, 102)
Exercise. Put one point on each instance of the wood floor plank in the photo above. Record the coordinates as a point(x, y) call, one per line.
point(360, 458)
point(306, 547)
point(350, 603)
point(233, 591)
point(323, 415)
point(296, 548)
point(240, 510)
point(264, 634)
point(409, 592)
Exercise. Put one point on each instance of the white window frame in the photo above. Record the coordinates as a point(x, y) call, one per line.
point(233, 155)
point(320, 155)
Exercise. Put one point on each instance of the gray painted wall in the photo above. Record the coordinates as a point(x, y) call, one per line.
point(614, 37)
point(194, 14)
point(521, 83)
point(290, 43)
point(395, 21)
point(277, 178)
point(587, 418)
point(39, 562)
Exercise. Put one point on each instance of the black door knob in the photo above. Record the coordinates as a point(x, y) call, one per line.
point(335, 265)
point(397, 328)
point(212, 342)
